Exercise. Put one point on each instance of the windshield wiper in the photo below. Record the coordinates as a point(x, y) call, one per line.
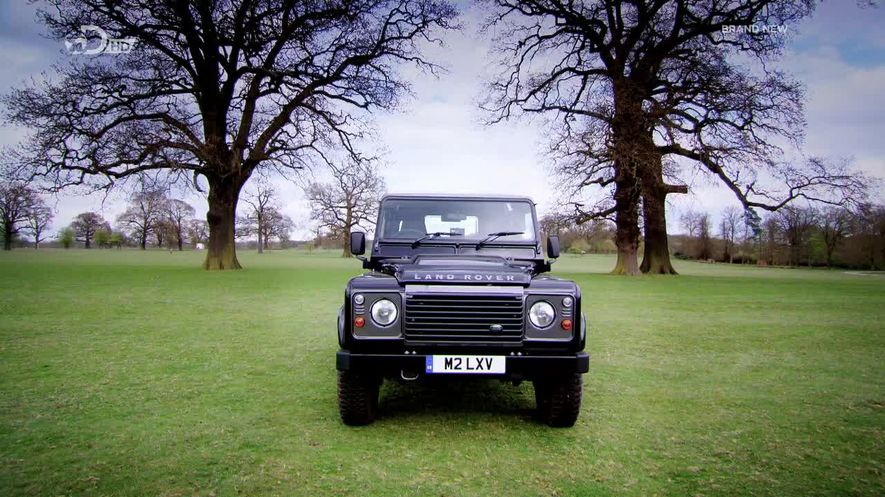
point(431, 235)
point(493, 236)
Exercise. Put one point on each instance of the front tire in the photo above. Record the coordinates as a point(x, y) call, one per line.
point(357, 398)
point(559, 400)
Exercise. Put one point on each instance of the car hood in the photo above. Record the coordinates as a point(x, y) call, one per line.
point(463, 271)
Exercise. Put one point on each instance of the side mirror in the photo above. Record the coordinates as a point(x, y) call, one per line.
point(552, 246)
point(358, 243)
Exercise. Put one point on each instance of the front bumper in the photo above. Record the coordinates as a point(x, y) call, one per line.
point(517, 366)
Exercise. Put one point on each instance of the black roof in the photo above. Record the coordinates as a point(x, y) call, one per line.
point(447, 196)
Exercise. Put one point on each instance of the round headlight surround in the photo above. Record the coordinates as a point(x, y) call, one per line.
point(384, 312)
point(542, 314)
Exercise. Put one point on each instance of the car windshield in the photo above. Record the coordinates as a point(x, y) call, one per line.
point(473, 220)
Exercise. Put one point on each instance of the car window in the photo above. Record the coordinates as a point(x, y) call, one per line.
point(461, 219)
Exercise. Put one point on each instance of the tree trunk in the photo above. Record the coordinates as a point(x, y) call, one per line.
point(348, 225)
point(7, 236)
point(627, 225)
point(87, 240)
point(260, 233)
point(345, 245)
point(656, 254)
point(627, 131)
point(656, 257)
point(221, 250)
point(144, 240)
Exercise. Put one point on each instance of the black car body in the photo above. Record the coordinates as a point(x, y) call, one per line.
point(457, 286)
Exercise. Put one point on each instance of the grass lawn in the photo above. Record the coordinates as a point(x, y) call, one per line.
point(139, 374)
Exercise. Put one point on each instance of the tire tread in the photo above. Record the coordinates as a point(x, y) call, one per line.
point(357, 398)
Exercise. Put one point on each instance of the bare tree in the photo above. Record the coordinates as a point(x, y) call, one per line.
point(731, 221)
point(85, 226)
point(177, 214)
point(772, 236)
point(634, 86)
point(705, 238)
point(164, 233)
point(350, 200)
point(38, 221)
point(144, 215)
point(218, 90)
point(276, 225)
point(796, 223)
point(697, 226)
point(197, 231)
point(691, 223)
point(262, 200)
point(834, 224)
point(869, 226)
point(17, 204)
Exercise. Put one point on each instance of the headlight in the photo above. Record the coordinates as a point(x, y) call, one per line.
point(541, 314)
point(384, 312)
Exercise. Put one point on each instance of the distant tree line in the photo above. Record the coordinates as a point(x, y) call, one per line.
point(827, 235)
point(154, 219)
point(151, 219)
point(793, 236)
point(594, 237)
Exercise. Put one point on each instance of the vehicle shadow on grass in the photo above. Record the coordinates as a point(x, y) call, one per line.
point(428, 397)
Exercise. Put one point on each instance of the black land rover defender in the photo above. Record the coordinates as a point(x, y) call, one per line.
point(457, 287)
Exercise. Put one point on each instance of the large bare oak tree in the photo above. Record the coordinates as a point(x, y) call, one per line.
point(642, 92)
point(218, 89)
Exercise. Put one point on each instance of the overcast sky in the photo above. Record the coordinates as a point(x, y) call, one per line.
point(435, 143)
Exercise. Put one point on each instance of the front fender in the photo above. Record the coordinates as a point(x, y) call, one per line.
point(341, 326)
point(583, 330)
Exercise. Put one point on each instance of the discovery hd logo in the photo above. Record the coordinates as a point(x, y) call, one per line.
point(94, 40)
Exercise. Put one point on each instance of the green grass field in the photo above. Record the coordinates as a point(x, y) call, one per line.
point(139, 374)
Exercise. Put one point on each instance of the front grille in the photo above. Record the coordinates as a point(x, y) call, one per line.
point(464, 318)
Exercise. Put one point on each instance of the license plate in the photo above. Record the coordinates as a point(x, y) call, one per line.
point(472, 364)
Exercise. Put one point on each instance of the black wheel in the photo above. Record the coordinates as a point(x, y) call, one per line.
point(357, 398)
point(559, 400)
